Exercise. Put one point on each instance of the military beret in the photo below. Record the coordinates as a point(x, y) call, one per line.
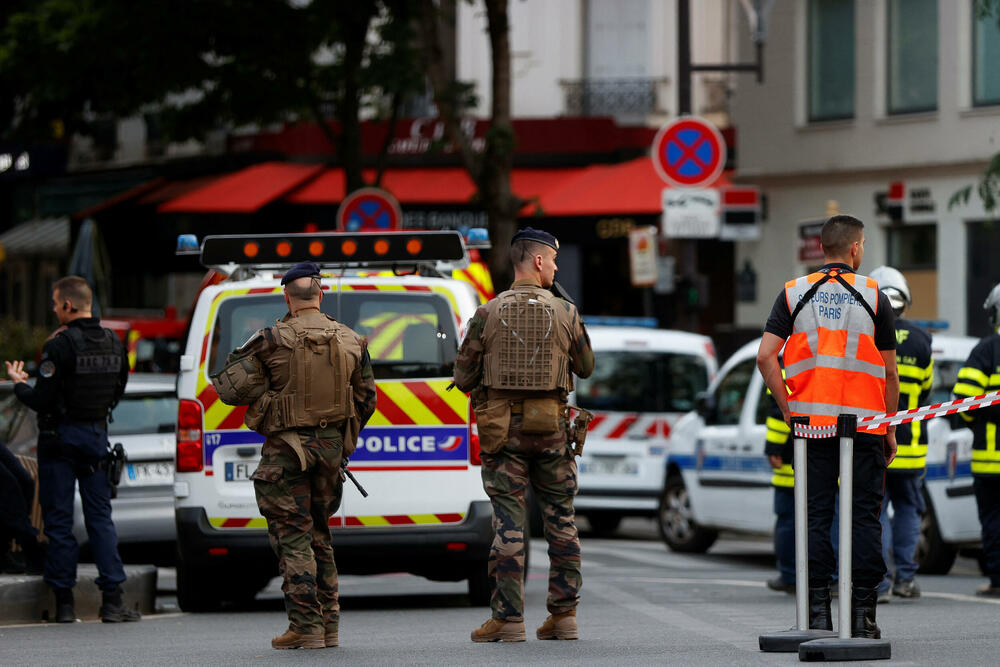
point(301, 270)
point(537, 235)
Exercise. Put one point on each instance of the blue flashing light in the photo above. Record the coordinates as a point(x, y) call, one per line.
point(187, 244)
point(936, 325)
point(608, 321)
point(477, 237)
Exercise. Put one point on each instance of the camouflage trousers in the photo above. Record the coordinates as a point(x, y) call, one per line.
point(547, 463)
point(298, 505)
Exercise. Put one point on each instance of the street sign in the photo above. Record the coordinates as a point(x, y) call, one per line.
point(369, 210)
point(690, 214)
point(689, 152)
point(740, 213)
point(642, 255)
point(810, 247)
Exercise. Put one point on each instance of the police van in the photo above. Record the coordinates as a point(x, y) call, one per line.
point(644, 380)
point(418, 457)
point(718, 478)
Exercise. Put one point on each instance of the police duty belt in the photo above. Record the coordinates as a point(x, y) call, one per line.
point(903, 416)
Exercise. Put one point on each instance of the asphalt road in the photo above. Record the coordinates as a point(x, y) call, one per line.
point(641, 604)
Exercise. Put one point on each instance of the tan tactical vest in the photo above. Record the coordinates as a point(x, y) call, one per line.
point(318, 393)
point(527, 338)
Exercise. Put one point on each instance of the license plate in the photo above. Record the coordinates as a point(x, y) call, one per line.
point(609, 466)
point(239, 471)
point(148, 474)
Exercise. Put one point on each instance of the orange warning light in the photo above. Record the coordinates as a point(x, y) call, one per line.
point(250, 249)
point(381, 247)
point(413, 246)
point(348, 247)
point(316, 248)
point(284, 248)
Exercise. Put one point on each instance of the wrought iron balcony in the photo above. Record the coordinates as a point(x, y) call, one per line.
point(612, 97)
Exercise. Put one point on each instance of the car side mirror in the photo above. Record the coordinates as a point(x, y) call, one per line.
point(705, 406)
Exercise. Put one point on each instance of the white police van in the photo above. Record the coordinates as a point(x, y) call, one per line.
point(717, 477)
point(644, 380)
point(418, 457)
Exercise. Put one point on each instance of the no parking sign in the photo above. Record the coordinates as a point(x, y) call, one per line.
point(689, 152)
point(369, 210)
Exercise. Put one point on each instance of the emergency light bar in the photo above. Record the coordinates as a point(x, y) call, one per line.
point(334, 249)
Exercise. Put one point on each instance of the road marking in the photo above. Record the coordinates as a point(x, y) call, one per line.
point(960, 597)
point(672, 561)
point(674, 618)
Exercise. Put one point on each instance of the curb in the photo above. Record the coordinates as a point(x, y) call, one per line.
point(28, 599)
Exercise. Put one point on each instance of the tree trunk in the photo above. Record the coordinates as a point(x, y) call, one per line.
point(355, 17)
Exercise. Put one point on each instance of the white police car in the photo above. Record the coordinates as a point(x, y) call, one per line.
point(644, 380)
point(418, 457)
point(717, 477)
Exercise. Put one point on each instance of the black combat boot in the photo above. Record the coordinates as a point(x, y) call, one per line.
point(863, 604)
point(819, 609)
point(64, 605)
point(113, 610)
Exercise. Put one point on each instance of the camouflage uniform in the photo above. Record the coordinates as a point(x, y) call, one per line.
point(299, 486)
point(544, 461)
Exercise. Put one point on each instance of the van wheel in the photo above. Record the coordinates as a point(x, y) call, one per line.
point(677, 525)
point(934, 555)
point(604, 523)
point(480, 585)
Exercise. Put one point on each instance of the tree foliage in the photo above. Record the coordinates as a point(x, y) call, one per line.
point(203, 64)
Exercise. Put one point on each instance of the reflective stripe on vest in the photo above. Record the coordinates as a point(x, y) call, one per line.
point(777, 433)
point(911, 453)
point(832, 364)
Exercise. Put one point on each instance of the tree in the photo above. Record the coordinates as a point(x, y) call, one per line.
point(490, 171)
point(203, 65)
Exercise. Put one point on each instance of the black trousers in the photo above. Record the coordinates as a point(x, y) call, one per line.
point(823, 461)
point(17, 491)
point(987, 489)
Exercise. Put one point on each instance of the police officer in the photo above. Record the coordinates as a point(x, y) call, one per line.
point(518, 357)
point(840, 357)
point(81, 377)
point(315, 393)
point(981, 375)
point(905, 480)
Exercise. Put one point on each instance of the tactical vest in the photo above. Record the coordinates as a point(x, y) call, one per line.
point(527, 337)
point(832, 364)
point(323, 356)
point(92, 381)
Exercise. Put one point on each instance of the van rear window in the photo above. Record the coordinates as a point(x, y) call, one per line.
point(643, 382)
point(408, 336)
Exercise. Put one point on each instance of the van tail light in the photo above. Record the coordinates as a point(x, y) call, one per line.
point(190, 453)
point(474, 457)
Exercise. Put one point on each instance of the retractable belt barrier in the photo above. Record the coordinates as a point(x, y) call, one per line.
point(903, 416)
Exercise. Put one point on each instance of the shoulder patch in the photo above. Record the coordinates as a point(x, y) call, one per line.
point(47, 369)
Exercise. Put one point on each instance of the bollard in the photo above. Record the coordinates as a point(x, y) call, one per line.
point(843, 646)
point(788, 641)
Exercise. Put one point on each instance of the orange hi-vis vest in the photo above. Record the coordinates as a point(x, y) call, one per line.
point(832, 365)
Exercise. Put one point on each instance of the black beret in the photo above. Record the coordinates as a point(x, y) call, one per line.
point(537, 235)
point(301, 270)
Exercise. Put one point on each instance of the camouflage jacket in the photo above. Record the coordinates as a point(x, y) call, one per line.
point(469, 362)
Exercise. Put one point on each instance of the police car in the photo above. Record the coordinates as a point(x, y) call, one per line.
point(717, 477)
point(418, 457)
point(644, 380)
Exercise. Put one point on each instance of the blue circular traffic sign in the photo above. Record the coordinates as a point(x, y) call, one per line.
point(689, 152)
point(369, 210)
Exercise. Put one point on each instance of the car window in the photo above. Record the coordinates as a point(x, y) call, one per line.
point(138, 413)
point(643, 382)
point(732, 391)
point(410, 335)
point(945, 374)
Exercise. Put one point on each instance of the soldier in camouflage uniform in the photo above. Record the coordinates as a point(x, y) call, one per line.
point(522, 420)
point(311, 421)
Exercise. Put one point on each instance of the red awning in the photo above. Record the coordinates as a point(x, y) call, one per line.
point(244, 191)
point(449, 185)
point(629, 188)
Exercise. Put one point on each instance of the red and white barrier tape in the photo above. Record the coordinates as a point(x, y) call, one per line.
point(903, 416)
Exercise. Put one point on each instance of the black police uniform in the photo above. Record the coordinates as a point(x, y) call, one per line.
point(81, 376)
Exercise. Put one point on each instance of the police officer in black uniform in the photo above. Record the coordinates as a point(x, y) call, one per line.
point(81, 377)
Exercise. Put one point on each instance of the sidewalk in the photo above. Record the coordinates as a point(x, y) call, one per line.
point(27, 599)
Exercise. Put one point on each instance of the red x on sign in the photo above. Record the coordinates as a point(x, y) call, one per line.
point(689, 152)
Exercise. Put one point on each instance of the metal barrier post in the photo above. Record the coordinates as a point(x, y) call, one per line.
point(788, 641)
point(845, 647)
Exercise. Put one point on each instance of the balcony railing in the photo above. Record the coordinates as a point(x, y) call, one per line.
point(612, 97)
